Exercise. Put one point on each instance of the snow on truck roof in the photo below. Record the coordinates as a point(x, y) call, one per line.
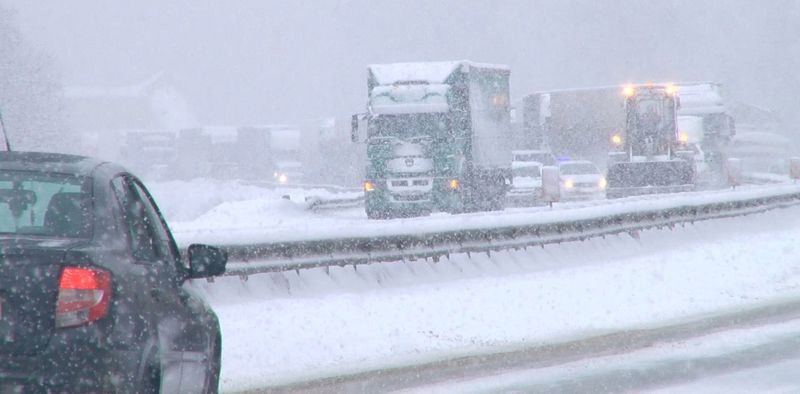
point(431, 72)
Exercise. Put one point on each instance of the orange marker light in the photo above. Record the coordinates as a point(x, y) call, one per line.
point(628, 91)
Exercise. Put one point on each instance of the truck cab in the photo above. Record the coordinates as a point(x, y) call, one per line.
point(437, 136)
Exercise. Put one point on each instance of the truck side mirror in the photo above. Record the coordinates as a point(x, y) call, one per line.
point(354, 128)
point(358, 128)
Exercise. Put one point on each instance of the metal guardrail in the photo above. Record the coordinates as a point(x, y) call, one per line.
point(296, 255)
point(317, 203)
point(324, 186)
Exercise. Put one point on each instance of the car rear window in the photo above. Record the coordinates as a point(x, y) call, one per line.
point(50, 205)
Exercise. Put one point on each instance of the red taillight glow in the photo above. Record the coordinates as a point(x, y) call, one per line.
point(84, 295)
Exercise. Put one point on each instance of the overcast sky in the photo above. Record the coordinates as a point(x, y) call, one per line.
point(260, 61)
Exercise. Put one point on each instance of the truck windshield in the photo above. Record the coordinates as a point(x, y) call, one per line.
point(409, 126)
point(532, 172)
point(541, 157)
point(51, 205)
point(579, 169)
point(653, 114)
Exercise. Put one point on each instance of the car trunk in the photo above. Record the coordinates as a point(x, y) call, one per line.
point(29, 278)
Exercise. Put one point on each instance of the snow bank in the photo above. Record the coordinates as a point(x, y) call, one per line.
point(242, 229)
point(288, 326)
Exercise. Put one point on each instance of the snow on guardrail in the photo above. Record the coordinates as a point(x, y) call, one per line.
point(445, 235)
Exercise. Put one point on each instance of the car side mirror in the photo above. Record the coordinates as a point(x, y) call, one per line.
point(206, 261)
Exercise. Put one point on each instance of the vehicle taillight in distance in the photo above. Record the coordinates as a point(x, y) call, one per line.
point(84, 295)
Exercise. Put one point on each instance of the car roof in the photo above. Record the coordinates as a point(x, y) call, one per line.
point(48, 162)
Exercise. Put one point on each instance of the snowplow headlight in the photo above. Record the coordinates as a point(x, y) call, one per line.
point(628, 91)
point(369, 186)
point(453, 184)
point(569, 183)
point(683, 137)
point(616, 139)
point(603, 183)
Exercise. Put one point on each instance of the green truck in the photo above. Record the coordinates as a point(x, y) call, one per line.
point(438, 138)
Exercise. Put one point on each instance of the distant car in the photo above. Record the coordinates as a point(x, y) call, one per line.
point(91, 296)
point(287, 172)
point(542, 157)
point(526, 182)
point(581, 179)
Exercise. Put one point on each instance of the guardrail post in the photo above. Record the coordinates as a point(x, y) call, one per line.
point(733, 171)
point(551, 185)
point(794, 168)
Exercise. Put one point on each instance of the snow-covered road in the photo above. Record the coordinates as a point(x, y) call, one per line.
point(745, 360)
point(284, 327)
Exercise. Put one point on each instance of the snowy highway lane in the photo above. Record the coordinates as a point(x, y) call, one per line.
point(284, 328)
point(745, 360)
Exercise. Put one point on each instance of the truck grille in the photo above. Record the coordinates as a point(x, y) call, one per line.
point(415, 182)
point(410, 197)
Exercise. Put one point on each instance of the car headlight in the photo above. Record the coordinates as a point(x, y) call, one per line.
point(569, 183)
point(282, 178)
point(602, 183)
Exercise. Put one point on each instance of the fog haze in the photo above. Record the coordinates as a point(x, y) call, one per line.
point(254, 61)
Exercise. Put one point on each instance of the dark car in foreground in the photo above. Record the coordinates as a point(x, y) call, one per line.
point(91, 284)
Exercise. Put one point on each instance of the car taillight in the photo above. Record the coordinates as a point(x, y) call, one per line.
point(84, 295)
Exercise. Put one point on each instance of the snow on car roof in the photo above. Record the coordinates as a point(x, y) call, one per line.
point(431, 72)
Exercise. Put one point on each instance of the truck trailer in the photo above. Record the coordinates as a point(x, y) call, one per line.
point(573, 123)
point(706, 127)
point(437, 136)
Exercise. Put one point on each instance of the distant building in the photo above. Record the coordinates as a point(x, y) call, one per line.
point(103, 116)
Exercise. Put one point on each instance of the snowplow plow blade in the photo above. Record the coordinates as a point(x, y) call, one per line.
point(649, 177)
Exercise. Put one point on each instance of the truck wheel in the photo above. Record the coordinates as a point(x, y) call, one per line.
point(151, 381)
